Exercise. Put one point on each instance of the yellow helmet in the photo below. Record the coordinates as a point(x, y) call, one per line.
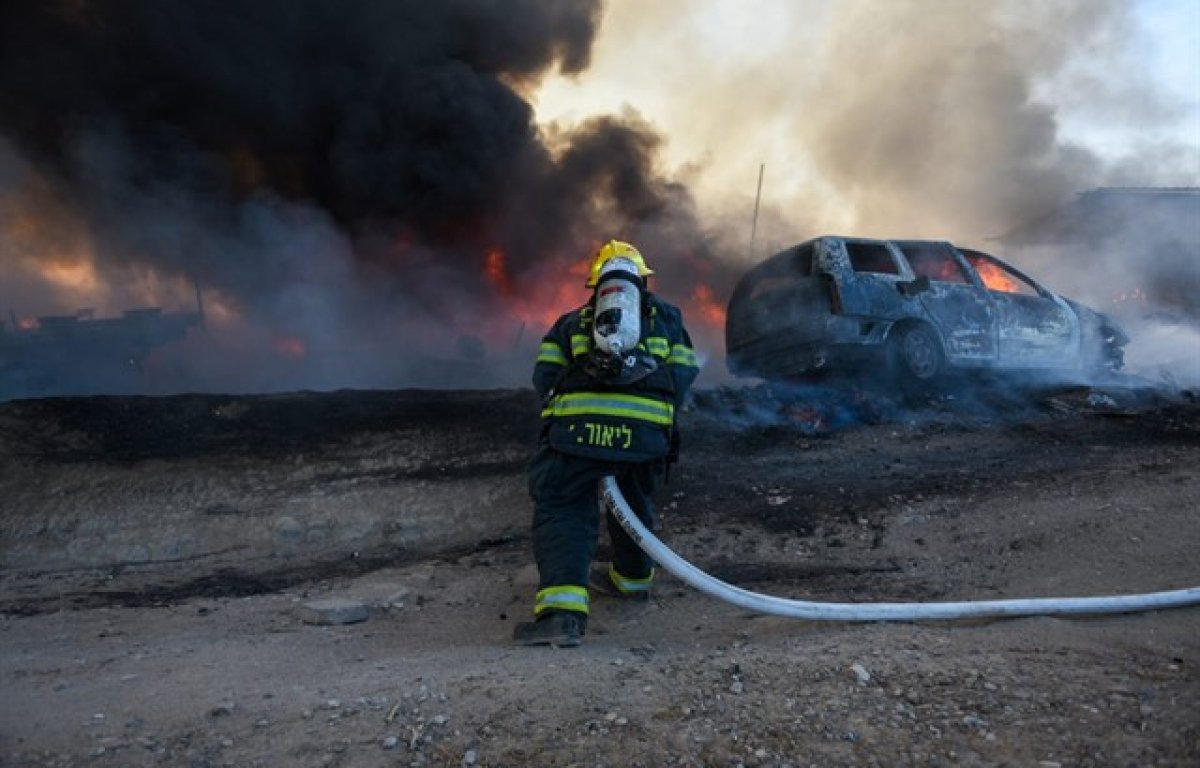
point(615, 249)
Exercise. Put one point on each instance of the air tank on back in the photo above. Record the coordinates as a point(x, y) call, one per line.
point(618, 324)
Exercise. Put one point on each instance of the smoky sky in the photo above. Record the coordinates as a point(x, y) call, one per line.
point(394, 110)
point(939, 128)
point(384, 120)
point(346, 173)
point(340, 171)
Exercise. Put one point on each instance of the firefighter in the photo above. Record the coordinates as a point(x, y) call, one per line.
point(612, 376)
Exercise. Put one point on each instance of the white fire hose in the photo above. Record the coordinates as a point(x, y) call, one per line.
point(813, 611)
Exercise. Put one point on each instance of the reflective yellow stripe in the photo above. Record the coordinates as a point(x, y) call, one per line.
point(658, 346)
point(550, 352)
point(579, 345)
point(611, 404)
point(627, 585)
point(562, 599)
point(682, 355)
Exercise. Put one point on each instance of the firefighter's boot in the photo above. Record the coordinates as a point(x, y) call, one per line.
point(562, 629)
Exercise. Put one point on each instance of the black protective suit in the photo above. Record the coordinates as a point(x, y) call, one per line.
point(595, 426)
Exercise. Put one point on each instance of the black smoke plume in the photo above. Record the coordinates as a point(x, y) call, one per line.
point(342, 173)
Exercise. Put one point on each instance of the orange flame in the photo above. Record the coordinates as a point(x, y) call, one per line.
point(496, 274)
point(995, 279)
point(539, 304)
point(291, 347)
point(538, 300)
point(710, 310)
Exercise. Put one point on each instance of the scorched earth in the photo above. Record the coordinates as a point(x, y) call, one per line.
point(161, 558)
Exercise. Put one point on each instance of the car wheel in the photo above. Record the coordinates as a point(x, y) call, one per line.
point(917, 356)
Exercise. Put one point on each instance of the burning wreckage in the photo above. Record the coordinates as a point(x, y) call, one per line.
point(66, 354)
point(921, 308)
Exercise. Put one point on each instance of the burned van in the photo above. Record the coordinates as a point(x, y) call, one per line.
point(917, 309)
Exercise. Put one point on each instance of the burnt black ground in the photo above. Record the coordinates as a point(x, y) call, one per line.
point(832, 452)
point(1044, 493)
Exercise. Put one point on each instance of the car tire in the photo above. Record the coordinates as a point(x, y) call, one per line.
point(917, 360)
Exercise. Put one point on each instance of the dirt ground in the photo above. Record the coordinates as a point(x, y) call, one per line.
point(814, 496)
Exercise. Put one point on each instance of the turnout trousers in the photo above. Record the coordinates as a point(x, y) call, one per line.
point(566, 524)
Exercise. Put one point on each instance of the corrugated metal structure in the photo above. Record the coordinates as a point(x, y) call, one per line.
point(1108, 213)
point(82, 354)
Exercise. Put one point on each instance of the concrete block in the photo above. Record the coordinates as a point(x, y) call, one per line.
point(335, 610)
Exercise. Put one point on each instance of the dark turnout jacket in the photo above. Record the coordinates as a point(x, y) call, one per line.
point(588, 417)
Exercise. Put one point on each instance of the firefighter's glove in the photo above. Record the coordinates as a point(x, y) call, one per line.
point(635, 367)
point(602, 366)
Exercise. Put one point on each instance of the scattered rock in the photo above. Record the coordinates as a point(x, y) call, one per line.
point(334, 610)
point(224, 709)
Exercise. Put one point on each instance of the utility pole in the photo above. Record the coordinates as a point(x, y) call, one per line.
point(199, 302)
point(757, 198)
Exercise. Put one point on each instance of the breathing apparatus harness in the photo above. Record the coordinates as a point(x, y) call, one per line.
point(621, 307)
point(613, 321)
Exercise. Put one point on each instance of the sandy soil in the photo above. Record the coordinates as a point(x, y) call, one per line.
point(194, 663)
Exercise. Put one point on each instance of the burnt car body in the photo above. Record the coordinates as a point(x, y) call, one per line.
point(924, 308)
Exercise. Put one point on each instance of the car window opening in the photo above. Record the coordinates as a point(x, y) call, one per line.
point(997, 278)
point(871, 257)
point(933, 262)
